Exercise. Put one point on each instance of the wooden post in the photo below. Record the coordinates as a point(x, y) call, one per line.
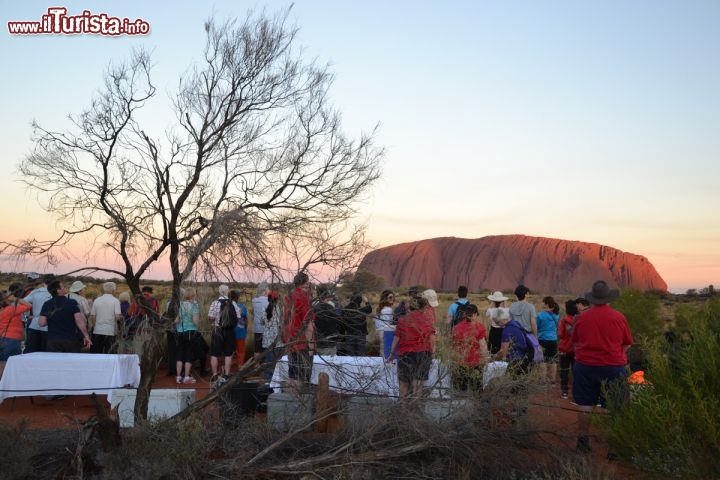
point(322, 402)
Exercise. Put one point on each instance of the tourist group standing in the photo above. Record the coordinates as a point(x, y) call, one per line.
point(589, 339)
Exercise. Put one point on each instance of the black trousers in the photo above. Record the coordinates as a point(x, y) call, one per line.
point(566, 363)
point(171, 353)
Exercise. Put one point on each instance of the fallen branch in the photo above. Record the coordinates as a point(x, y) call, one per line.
point(284, 439)
point(354, 459)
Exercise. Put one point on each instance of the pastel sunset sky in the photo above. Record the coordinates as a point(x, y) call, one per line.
point(579, 120)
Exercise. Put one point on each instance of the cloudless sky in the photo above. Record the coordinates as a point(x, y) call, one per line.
point(579, 120)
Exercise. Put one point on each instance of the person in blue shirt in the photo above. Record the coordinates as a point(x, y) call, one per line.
point(240, 328)
point(513, 345)
point(452, 314)
point(547, 325)
point(186, 327)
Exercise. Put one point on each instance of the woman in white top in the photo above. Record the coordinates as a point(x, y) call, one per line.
point(259, 305)
point(271, 337)
point(76, 293)
point(384, 324)
point(494, 313)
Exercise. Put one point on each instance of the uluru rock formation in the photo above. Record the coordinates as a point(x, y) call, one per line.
point(502, 262)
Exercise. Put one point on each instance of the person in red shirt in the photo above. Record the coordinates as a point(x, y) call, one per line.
point(299, 333)
point(470, 346)
point(137, 311)
point(601, 336)
point(11, 326)
point(414, 343)
point(565, 345)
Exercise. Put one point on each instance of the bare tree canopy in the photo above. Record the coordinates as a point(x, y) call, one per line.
point(254, 172)
point(255, 161)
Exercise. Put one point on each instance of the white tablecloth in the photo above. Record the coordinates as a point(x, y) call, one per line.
point(493, 370)
point(364, 375)
point(46, 373)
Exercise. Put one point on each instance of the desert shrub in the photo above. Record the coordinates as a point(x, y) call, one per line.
point(683, 316)
point(399, 441)
point(642, 311)
point(161, 450)
point(672, 427)
point(361, 281)
point(16, 439)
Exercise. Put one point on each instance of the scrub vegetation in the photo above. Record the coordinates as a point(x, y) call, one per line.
point(668, 430)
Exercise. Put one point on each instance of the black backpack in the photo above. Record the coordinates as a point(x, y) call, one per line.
point(228, 314)
point(456, 315)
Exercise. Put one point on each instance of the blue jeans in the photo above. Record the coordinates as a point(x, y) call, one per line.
point(8, 348)
point(388, 337)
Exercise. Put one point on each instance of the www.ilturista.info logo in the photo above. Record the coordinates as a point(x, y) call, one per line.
point(58, 22)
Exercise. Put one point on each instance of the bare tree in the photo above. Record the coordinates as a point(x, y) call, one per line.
point(255, 168)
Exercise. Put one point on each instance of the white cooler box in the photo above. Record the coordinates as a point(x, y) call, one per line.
point(164, 403)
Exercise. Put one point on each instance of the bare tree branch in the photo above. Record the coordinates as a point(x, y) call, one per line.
point(255, 171)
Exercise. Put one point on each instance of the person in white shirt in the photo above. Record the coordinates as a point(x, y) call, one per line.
point(384, 322)
point(259, 304)
point(495, 325)
point(36, 336)
point(105, 314)
point(76, 293)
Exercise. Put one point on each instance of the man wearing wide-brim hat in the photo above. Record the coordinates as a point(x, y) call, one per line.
point(601, 336)
point(76, 289)
point(498, 315)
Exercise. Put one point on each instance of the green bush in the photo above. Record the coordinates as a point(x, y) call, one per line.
point(672, 426)
point(684, 314)
point(642, 311)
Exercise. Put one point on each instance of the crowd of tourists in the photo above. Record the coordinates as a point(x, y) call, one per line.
point(588, 341)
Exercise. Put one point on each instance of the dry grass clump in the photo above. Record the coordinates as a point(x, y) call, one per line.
point(18, 450)
point(480, 439)
point(167, 449)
